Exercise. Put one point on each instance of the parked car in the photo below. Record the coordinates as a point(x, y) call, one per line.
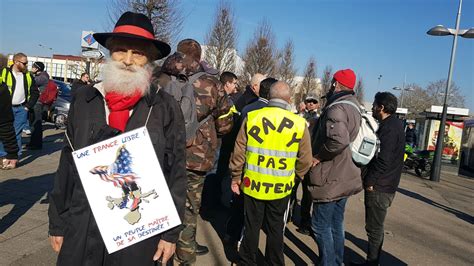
point(60, 108)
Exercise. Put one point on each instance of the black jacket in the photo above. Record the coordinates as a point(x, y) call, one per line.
point(76, 84)
point(33, 93)
point(7, 131)
point(246, 98)
point(410, 136)
point(69, 212)
point(386, 168)
point(228, 140)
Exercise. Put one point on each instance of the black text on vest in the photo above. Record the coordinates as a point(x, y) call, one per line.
point(267, 126)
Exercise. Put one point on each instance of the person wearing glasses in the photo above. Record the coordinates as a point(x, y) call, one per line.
point(311, 107)
point(24, 94)
point(310, 113)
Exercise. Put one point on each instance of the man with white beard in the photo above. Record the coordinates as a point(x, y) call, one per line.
point(120, 103)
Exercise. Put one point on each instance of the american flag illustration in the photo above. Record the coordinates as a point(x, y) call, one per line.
point(120, 172)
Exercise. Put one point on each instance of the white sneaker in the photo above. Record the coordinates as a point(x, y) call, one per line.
point(27, 131)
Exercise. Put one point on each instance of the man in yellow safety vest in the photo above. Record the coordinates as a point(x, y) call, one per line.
point(274, 145)
point(24, 94)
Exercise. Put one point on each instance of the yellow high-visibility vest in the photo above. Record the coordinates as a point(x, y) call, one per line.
point(232, 111)
point(273, 140)
point(6, 78)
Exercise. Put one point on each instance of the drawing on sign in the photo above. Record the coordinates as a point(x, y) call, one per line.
point(120, 174)
point(126, 188)
point(89, 39)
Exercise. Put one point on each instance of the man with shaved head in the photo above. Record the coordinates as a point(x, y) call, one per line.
point(251, 92)
point(272, 149)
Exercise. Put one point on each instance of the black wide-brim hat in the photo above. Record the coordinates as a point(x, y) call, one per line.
point(135, 26)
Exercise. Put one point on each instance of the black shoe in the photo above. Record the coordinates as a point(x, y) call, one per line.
point(304, 231)
point(201, 250)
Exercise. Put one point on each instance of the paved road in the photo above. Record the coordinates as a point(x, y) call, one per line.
point(428, 223)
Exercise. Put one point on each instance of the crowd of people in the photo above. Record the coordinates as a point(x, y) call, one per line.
point(200, 123)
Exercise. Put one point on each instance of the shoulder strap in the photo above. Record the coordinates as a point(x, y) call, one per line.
point(346, 102)
point(202, 122)
point(196, 77)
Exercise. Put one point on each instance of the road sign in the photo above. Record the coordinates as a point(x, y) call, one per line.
point(88, 41)
point(92, 54)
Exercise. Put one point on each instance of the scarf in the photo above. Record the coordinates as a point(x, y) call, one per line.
point(120, 107)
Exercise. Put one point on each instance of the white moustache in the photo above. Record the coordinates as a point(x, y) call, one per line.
point(126, 80)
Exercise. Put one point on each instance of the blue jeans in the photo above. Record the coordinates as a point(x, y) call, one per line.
point(20, 116)
point(328, 227)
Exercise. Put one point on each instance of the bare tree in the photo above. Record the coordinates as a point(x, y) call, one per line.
point(260, 54)
point(165, 15)
point(436, 92)
point(417, 100)
point(79, 67)
point(359, 90)
point(221, 39)
point(309, 84)
point(286, 65)
point(326, 83)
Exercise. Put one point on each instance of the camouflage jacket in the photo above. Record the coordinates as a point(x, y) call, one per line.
point(212, 101)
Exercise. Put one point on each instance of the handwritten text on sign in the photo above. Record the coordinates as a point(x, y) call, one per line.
point(126, 188)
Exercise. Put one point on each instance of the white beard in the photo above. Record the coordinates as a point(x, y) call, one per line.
point(116, 77)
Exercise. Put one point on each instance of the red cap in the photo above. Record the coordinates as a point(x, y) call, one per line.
point(346, 77)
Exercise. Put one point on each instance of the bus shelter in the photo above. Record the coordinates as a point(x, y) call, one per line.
point(428, 126)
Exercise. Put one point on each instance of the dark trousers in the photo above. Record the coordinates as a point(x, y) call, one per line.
point(306, 202)
point(259, 212)
point(376, 205)
point(36, 123)
point(235, 222)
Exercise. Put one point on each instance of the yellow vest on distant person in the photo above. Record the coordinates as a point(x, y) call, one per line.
point(273, 139)
point(6, 78)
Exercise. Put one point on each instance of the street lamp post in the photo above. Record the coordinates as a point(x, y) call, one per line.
point(51, 67)
point(442, 31)
point(378, 83)
point(401, 92)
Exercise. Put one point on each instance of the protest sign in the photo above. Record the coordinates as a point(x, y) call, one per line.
point(126, 189)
